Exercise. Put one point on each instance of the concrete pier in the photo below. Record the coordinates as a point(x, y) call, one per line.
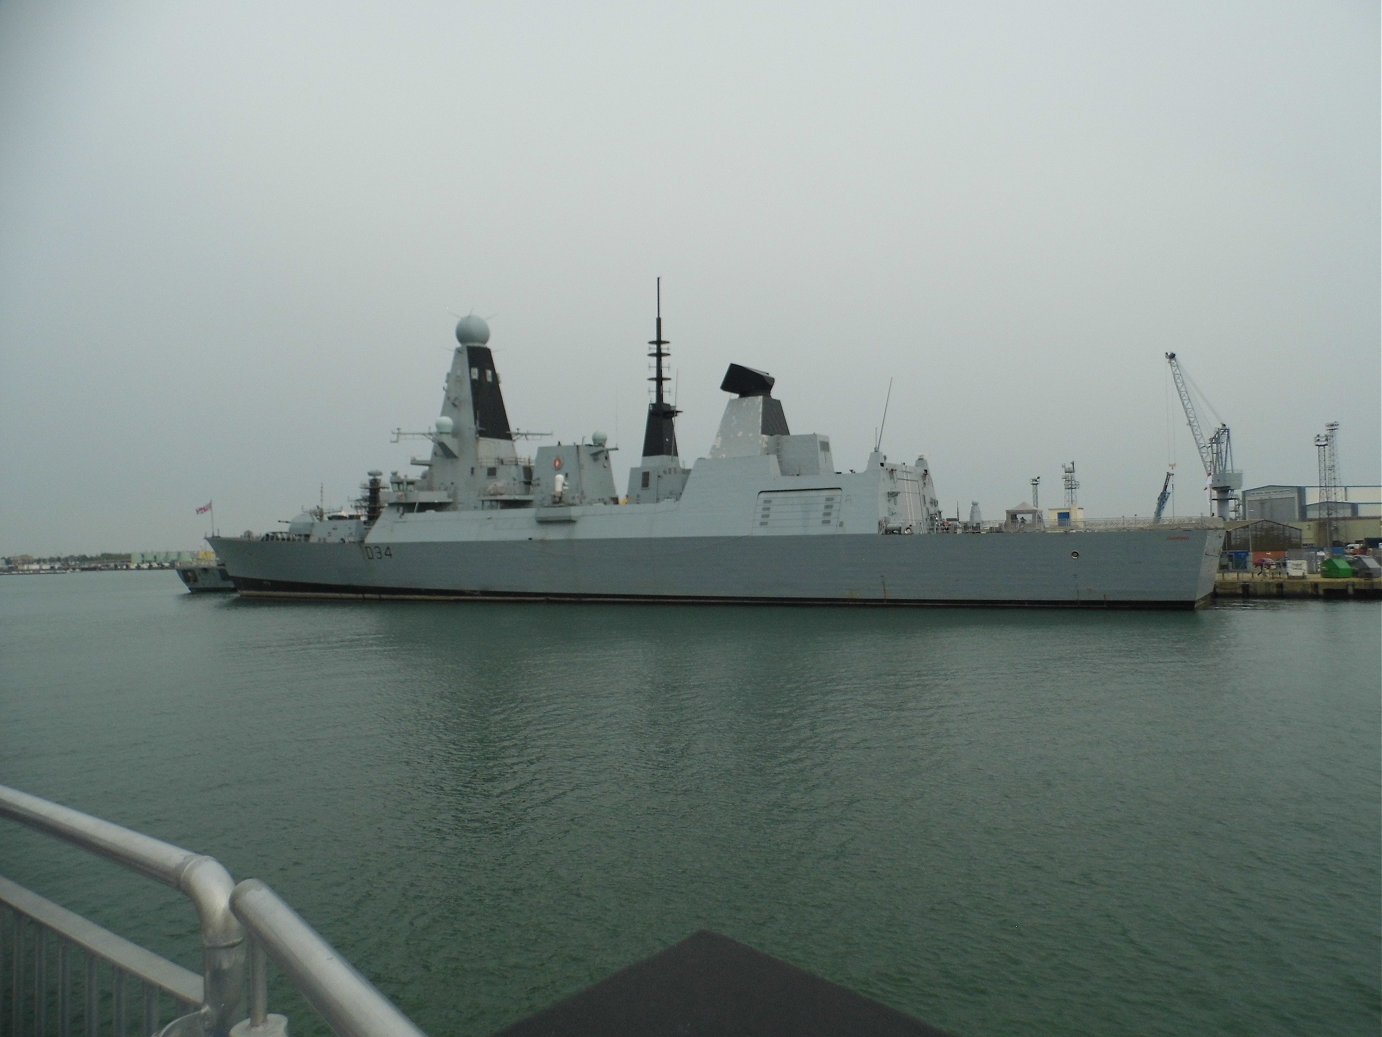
point(1229, 585)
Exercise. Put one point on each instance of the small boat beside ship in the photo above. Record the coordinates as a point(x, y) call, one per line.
point(204, 573)
point(763, 518)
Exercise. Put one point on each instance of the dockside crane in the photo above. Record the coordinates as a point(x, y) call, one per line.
point(1216, 452)
point(1164, 495)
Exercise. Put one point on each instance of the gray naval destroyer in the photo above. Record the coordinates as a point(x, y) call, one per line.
point(764, 518)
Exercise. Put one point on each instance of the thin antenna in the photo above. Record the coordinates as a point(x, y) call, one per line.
point(659, 342)
point(878, 441)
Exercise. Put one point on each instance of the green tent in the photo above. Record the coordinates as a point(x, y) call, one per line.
point(1336, 569)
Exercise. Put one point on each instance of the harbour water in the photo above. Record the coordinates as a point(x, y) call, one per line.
point(1000, 822)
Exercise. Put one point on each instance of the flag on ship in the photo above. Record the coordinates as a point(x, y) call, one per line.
point(204, 508)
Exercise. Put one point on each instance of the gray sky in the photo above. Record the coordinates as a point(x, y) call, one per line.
point(234, 239)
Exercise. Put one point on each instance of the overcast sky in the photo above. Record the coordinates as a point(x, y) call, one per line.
point(235, 239)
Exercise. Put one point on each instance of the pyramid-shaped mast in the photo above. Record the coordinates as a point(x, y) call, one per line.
point(660, 436)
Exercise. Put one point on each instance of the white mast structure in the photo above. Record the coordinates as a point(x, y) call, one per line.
point(1327, 446)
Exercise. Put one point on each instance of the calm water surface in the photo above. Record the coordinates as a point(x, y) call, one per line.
point(1001, 822)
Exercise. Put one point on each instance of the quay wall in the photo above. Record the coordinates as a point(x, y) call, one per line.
point(1230, 585)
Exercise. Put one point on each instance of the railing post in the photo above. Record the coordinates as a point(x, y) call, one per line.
point(40, 980)
point(208, 885)
point(259, 986)
point(348, 1002)
point(260, 1023)
point(17, 970)
point(92, 998)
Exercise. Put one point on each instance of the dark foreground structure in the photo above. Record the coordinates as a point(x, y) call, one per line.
point(711, 986)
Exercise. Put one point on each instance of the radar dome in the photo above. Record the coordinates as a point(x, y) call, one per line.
point(472, 331)
point(445, 426)
point(599, 438)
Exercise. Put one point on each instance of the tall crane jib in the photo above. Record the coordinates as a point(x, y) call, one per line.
point(1163, 497)
point(1216, 452)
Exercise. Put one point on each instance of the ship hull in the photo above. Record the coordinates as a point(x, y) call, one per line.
point(1148, 568)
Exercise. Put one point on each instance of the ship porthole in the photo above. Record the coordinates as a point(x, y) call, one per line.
point(1074, 554)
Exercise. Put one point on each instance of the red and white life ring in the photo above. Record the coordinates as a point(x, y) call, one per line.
point(556, 463)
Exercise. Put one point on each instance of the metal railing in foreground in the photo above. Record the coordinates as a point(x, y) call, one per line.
point(347, 1001)
point(239, 927)
point(36, 933)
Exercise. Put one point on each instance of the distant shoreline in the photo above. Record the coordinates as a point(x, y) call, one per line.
point(58, 569)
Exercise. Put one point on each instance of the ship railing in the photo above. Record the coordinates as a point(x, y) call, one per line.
point(1131, 522)
point(1144, 522)
point(54, 962)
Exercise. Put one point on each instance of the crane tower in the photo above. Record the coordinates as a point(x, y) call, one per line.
point(1328, 447)
point(1071, 485)
point(1216, 452)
